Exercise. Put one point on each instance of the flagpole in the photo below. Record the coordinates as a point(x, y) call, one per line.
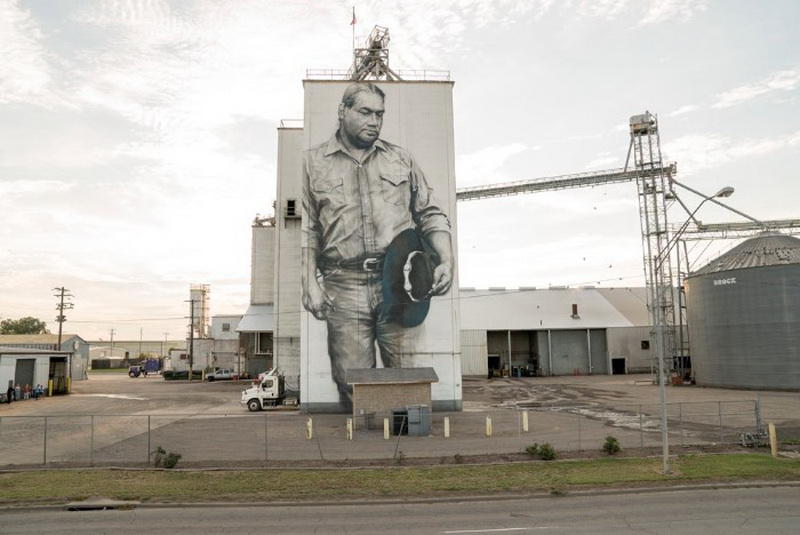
point(353, 24)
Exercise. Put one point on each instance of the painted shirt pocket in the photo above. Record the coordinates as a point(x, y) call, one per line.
point(396, 188)
point(329, 192)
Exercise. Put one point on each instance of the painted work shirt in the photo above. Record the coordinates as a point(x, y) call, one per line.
point(354, 210)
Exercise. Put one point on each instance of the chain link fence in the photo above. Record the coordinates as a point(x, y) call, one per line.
point(280, 436)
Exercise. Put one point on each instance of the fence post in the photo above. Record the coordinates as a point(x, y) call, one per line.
point(641, 428)
point(680, 420)
point(525, 421)
point(44, 460)
point(348, 429)
point(446, 427)
point(579, 431)
point(757, 410)
point(266, 438)
point(386, 429)
point(91, 445)
point(149, 444)
point(488, 426)
point(719, 406)
point(309, 429)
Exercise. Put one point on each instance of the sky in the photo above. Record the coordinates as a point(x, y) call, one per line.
point(138, 137)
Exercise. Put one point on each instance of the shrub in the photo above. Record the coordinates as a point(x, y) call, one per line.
point(611, 445)
point(547, 452)
point(163, 459)
point(158, 456)
point(171, 460)
point(532, 450)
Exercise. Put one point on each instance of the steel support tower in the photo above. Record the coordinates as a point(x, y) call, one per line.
point(654, 189)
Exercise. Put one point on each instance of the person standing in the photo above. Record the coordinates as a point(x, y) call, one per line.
point(360, 193)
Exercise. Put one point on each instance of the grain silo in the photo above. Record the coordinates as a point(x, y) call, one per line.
point(744, 315)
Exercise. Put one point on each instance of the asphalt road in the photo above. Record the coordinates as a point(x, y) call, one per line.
point(725, 511)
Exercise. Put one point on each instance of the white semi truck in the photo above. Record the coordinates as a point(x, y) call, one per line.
point(268, 391)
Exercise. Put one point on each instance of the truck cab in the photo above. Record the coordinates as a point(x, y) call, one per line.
point(268, 391)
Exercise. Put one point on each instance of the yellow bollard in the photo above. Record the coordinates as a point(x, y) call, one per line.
point(773, 440)
point(446, 427)
point(49, 387)
point(386, 429)
point(69, 385)
point(348, 428)
point(203, 375)
point(309, 429)
point(525, 421)
point(488, 426)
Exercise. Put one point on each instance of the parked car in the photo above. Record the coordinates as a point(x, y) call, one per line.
point(220, 374)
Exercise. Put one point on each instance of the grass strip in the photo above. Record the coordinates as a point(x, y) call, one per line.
point(282, 485)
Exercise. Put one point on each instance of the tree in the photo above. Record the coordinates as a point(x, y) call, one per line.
point(26, 325)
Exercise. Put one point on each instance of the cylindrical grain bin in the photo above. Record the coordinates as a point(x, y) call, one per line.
point(743, 311)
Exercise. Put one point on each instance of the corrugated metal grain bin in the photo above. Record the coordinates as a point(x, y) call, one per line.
point(744, 315)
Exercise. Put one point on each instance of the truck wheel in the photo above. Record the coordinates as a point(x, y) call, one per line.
point(254, 405)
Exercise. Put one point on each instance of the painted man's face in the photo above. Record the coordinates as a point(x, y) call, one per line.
point(362, 122)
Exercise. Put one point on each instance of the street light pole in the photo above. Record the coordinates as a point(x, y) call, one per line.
point(661, 349)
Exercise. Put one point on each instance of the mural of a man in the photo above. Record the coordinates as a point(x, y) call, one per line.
point(360, 192)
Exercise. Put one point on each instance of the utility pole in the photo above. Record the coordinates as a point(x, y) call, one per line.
point(191, 336)
point(62, 295)
point(112, 343)
point(164, 343)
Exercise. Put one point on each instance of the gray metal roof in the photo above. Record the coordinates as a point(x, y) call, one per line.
point(362, 376)
point(551, 308)
point(766, 249)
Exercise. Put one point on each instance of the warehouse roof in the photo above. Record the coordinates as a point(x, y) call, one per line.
point(766, 249)
point(371, 376)
point(30, 339)
point(551, 308)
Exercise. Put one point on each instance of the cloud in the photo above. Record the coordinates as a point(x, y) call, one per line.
point(657, 11)
point(24, 71)
point(602, 161)
point(666, 10)
point(786, 80)
point(688, 108)
point(484, 166)
point(607, 9)
point(696, 152)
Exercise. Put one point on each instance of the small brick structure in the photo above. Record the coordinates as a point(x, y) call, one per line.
point(376, 391)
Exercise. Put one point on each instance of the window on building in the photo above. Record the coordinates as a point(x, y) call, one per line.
point(645, 344)
point(291, 209)
point(575, 311)
point(264, 343)
point(226, 327)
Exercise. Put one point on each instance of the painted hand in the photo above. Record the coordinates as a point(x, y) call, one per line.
point(317, 301)
point(442, 278)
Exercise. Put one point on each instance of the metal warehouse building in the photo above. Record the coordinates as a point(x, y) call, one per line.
point(555, 331)
point(744, 315)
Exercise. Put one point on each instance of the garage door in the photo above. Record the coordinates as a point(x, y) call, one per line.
point(570, 355)
point(24, 372)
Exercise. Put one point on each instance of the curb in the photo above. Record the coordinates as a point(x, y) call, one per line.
point(421, 500)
